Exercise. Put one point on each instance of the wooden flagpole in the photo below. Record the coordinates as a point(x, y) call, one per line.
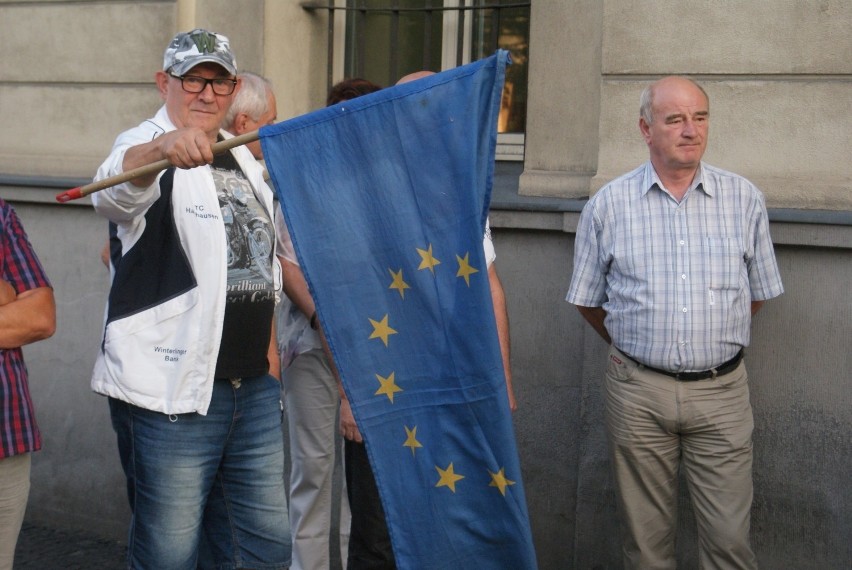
point(80, 191)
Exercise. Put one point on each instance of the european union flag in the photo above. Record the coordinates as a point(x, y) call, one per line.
point(386, 198)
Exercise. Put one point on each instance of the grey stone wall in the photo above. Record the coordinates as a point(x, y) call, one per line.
point(778, 75)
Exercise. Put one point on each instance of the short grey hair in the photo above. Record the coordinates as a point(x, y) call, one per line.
point(252, 98)
point(646, 99)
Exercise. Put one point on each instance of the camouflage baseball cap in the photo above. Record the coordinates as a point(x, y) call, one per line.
point(188, 49)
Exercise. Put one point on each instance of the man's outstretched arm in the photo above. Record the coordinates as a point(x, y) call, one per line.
point(501, 315)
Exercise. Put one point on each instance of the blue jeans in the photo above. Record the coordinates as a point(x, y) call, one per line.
point(221, 474)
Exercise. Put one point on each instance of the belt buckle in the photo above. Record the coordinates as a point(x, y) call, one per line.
point(694, 376)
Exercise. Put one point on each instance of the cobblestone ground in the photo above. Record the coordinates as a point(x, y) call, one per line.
point(50, 549)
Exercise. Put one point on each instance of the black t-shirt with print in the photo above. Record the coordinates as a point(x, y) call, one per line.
point(250, 293)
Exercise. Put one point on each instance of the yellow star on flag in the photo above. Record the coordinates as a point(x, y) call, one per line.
point(411, 439)
point(388, 386)
point(465, 268)
point(398, 283)
point(427, 260)
point(381, 330)
point(448, 478)
point(499, 480)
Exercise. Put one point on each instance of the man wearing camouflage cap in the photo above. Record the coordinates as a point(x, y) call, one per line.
point(188, 360)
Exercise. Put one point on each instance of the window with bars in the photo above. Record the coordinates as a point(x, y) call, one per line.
point(382, 40)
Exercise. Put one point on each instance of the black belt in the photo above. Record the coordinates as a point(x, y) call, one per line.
point(720, 370)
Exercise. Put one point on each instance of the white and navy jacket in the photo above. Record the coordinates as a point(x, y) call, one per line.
point(166, 306)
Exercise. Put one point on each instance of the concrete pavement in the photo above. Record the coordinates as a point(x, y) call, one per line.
point(44, 548)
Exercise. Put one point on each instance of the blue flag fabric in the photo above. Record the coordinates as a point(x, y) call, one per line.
point(386, 198)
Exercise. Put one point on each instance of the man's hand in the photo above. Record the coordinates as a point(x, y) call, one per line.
point(348, 428)
point(272, 356)
point(187, 148)
point(183, 148)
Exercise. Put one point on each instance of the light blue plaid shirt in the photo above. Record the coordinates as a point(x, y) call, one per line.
point(676, 279)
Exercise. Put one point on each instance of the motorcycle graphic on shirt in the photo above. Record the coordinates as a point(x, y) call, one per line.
point(247, 229)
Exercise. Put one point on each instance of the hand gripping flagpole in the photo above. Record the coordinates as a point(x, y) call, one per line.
point(80, 191)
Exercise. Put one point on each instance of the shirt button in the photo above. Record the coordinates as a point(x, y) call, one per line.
point(682, 242)
point(683, 276)
point(684, 309)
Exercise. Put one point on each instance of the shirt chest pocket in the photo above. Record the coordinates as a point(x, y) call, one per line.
point(724, 259)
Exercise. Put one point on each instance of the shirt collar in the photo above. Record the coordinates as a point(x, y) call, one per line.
point(700, 181)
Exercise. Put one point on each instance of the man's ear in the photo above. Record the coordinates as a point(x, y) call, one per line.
point(645, 129)
point(241, 121)
point(162, 80)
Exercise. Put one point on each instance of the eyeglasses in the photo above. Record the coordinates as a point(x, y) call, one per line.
point(196, 84)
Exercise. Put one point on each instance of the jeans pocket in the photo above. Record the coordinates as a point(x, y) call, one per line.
point(619, 367)
point(737, 378)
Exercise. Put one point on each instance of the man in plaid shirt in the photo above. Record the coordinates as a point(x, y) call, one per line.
point(671, 262)
point(27, 314)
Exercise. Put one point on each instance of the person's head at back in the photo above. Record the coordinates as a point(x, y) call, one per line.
point(253, 107)
point(675, 120)
point(414, 76)
point(350, 89)
point(199, 80)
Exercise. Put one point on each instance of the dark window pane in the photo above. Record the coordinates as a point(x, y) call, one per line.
point(510, 29)
point(384, 45)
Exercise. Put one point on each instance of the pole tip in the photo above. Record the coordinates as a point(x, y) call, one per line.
point(68, 195)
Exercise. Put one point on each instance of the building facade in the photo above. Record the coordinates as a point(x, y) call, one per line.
point(779, 76)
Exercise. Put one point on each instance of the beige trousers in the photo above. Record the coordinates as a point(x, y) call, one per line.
point(14, 491)
point(658, 426)
point(310, 394)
